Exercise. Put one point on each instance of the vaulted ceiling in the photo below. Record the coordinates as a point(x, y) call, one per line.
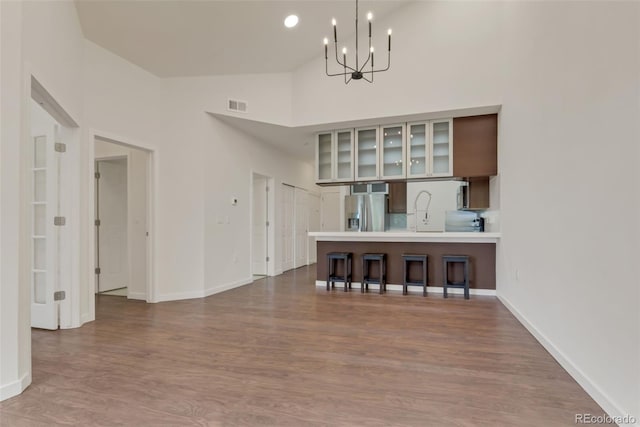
point(196, 38)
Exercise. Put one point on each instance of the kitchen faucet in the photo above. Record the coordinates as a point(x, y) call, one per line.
point(415, 207)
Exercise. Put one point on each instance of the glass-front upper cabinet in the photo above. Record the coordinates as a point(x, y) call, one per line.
point(418, 150)
point(367, 154)
point(324, 157)
point(442, 148)
point(344, 155)
point(393, 151)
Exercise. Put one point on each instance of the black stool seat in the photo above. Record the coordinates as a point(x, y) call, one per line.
point(332, 276)
point(382, 275)
point(407, 259)
point(446, 283)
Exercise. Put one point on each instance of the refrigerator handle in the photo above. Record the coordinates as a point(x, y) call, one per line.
point(365, 215)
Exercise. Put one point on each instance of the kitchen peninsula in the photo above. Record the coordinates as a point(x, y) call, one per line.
point(480, 247)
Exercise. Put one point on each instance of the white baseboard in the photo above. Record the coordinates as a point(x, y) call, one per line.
point(137, 295)
point(227, 286)
point(85, 318)
point(176, 296)
point(16, 387)
point(601, 398)
point(417, 289)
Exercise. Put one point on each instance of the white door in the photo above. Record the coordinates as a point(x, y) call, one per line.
point(314, 225)
point(259, 223)
point(111, 208)
point(51, 197)
point(301, 220)
point(330, 212)
point(44, 271)
point(287, 213)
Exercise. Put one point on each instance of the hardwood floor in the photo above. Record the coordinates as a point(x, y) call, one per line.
point(282, 352)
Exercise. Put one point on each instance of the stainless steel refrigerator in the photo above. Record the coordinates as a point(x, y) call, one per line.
point(365, 212)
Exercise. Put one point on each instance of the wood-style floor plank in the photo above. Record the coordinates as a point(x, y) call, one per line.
point(282, 352)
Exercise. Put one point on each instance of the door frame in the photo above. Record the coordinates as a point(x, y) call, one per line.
point(152, 178)
point(271, 270)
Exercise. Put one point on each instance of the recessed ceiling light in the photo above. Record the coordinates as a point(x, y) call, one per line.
point(291, 21)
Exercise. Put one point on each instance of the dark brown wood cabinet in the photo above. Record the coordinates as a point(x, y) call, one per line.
point(397, 197)
point(475, 146)
point(478, 193)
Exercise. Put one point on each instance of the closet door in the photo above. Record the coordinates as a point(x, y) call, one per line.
point(287, 213)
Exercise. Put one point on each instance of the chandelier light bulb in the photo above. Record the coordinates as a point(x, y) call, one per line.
point(389, 32)
point(326, 41)
point(369, 16)
point(371, 50)
point(333, 22)
point(344, 50)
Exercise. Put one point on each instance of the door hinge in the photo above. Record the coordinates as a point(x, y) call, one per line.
point(267, 223)
point(97, 175)
point(266, 189)
point(60, 147)
point(267, 259)
point(59, 220)
point(97, 223)
point(97, 270)
point(59, 296)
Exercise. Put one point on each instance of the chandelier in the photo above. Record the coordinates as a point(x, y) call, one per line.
point(357, 71)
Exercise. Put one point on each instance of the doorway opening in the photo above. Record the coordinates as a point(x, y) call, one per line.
point(122, 219)
point(262, 240)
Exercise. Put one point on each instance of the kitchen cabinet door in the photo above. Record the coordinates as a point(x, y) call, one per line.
point(418, 150)
point(441, 148)
point(392, 154)
point(475, 150)
point(367, 154)
point(324, 157)
point(344, 155)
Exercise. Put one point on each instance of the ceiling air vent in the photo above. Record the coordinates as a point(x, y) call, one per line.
point(235, 105)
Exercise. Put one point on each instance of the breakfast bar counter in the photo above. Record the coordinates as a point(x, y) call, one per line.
point(479, 247)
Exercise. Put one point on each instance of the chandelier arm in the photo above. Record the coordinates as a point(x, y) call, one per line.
point(383, 69)
point(365, 62)
point(338, 61)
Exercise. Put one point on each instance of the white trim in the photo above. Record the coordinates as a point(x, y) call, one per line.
point(176, 296)
point(599, 395)
point(387, 236)
point(137, 295)
point(86, 317)
point(152, 179)
point(435, 290)
point(15, 388)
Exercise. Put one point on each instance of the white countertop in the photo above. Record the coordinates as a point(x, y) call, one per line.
point(404, 236)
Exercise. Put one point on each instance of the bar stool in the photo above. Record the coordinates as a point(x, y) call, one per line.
point(405, 273)
point(446, 283)
point(382, 276)
point(332, 277)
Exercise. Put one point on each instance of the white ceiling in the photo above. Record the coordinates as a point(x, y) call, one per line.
point(195, 38)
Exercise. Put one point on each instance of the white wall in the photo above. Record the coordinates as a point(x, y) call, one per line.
point(445, 55)
point(46, 38)
point(569, 188)
point(566, 75)
point(15, 335)
point(232, 156)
